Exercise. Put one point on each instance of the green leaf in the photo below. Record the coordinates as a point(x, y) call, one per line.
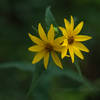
point(68, 95)
point(20, 65)
point(35, 29)
point(55, 71)
point(49, 18)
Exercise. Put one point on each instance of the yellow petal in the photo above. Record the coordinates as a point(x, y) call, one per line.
point(42, 33)
point(80, 46)
point(65, 43)
point(63, 31)
point(59, 40)
point(36, 48)
point(72, 24)
point(51, 33)
point(82, 38)
point(64, 52)
point(56, 59)
point(78, 53)
point(67, 56)
point(58, 47)
point(35, 39)
point(71, 51)
point(78, 28)
point(46, 59)
point(67, 24)
point(38, 57)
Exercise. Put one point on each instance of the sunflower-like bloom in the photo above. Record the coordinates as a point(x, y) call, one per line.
point(45, 46)
point(72, 39)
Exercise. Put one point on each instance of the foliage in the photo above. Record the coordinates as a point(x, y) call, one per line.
point(16, 71)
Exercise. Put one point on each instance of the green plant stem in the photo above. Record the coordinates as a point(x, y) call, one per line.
point(38, 73)
point(78, 68)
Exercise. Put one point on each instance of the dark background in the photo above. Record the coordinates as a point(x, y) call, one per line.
point(16, 20)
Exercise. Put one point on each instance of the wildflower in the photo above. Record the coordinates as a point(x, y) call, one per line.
point(45, 46)
point(72, 41)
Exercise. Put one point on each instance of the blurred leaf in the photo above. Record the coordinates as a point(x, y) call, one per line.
point(35, 29)
point(68, 95)
point(13, 83)
point(49, 18)
point(55, 71)
point(20, 65)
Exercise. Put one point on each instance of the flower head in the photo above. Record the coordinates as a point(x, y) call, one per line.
point(45, 46)
point(72, 39)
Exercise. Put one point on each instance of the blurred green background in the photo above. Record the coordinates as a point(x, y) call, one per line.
point(16, 70)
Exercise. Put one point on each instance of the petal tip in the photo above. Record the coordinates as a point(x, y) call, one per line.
point(67, 55)
point(90, 37)
point(33, 62)
point(29, 49)
point(29, 34)
point(65, 19)
point(88, 51)
point(62, 57)
point(82, 23)
point(60, 28)
point(39, 25)
point(61, 67)
point(45, 67)
point(72, 17)
point(72, 61)
point(82, 58)
point(51, 25)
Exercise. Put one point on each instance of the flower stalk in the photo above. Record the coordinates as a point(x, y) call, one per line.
point(37, 75)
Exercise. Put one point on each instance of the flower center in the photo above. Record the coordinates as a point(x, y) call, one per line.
point(70, 40)
point(49, 47)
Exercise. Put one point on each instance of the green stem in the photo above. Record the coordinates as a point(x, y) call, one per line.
point(78, 68)
point(35, 78)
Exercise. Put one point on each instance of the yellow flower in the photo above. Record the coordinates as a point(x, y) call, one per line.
point(72, 41)
point(45, 46)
